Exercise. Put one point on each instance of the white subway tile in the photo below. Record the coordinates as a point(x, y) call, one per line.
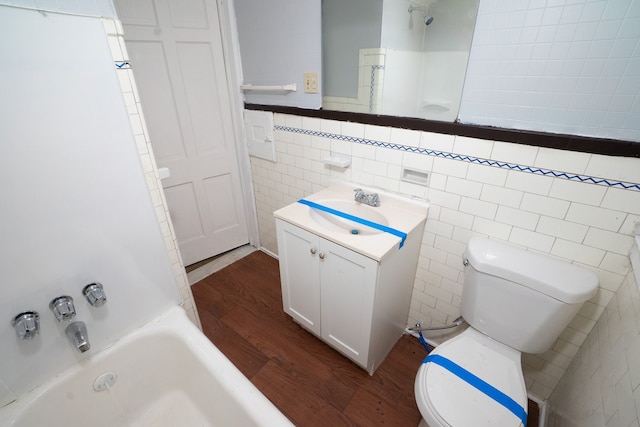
point(377, 133)
point(491, 228)
point(457, 218)
point(364, 151)
point(487, 174)
point(544, 205)
point(577, 252)
point(595, 216)
point(355, 130)
point(615, 263)
point(629, 225)
point(463, 187)
point(439, 228)
point(589, 194)
point(609, 241)
point(561, 160)
point(478, 207)
point(407, 137)
point(389, 155)
point(531, 239)
point(413, 190)
point(446, 272)
point(561, 228)
point(517, 217)
point(437, 181)
point(311, 123)
point(437, 141)
point(501, 195)
point(450, 167)
point(417, 161)
point(529, 182)
point(296, 122)
point(394, 171)
point(472, 147)
point(622, 200)
point(386, 183)
point(375, 167)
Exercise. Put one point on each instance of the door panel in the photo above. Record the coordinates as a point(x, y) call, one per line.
point(348, 288)
point(175, 48)
point(300, 276)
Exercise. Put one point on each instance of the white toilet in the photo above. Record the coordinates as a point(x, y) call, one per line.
point(514, 301)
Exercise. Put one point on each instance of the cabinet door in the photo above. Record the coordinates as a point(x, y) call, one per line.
point(298, 252)
point(348, 287)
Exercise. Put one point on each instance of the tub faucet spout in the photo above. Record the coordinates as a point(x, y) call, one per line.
point(78, 336)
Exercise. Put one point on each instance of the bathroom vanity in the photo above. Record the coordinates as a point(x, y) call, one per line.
point(347, 269)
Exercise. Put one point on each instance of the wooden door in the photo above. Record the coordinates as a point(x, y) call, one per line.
point(175, 48)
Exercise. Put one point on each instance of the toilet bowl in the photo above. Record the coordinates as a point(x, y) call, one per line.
point(446, 399)
point(514, 301)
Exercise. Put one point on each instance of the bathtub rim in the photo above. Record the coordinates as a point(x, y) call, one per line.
point(176, 323)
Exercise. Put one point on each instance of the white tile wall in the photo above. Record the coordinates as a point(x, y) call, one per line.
point(115, 37)
point(601, 385)
point(565, 67)
point(542, 213)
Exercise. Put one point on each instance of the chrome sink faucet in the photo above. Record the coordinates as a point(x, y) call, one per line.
point(371, 199)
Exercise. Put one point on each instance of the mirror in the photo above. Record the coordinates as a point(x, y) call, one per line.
point(396, 57)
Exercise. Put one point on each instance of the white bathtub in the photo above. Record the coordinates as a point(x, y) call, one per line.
point(167, 373)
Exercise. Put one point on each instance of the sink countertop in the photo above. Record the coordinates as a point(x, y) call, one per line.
point(402, 214)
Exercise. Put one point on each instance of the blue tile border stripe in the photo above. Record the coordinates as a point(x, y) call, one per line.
point(372, 84)
point(469, 159)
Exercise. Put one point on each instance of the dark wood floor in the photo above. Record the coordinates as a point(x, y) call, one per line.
point(313, 385)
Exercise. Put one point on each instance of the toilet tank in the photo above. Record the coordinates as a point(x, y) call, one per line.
point(520, 298)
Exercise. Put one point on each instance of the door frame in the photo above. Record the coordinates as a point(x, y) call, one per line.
point(233, 67)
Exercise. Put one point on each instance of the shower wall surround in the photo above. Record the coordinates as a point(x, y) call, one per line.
point(561, 67)
point(576, 206)
point(81, 191)
point(601, 387)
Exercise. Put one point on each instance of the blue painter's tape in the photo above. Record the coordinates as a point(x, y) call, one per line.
point(314, 205)
point(480, 384)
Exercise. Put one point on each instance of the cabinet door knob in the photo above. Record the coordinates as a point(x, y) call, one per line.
point(313, 251)
point(321, 255)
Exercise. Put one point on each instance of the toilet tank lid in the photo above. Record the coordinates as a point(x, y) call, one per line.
point(558, 279)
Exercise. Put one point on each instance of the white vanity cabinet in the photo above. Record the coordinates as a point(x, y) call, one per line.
point(328, 289)
point(354, 303)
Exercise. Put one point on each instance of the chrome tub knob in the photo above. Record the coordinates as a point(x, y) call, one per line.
point(63, 308)
point(94, 293)
point(27, 325)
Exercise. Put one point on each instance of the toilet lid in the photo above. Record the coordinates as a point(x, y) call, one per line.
point(452, 401)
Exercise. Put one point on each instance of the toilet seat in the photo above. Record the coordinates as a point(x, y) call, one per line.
point(445, 399)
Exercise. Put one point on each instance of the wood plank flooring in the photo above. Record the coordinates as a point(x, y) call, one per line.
point(240, 308)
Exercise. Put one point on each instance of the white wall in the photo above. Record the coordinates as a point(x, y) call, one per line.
point(602, 385)
point(584, 223)
point(564, 68)
point(82, 198)
point(279, 42)
point(102, 8)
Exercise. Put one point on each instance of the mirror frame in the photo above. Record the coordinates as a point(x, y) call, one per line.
point(584, 144)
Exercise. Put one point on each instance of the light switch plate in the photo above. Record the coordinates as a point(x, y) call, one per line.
point(311, 82)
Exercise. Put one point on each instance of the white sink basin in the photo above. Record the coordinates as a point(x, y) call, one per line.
point(344, 225)
point(392, 222)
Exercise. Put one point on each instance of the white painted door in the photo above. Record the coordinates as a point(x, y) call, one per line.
point(175, 49)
